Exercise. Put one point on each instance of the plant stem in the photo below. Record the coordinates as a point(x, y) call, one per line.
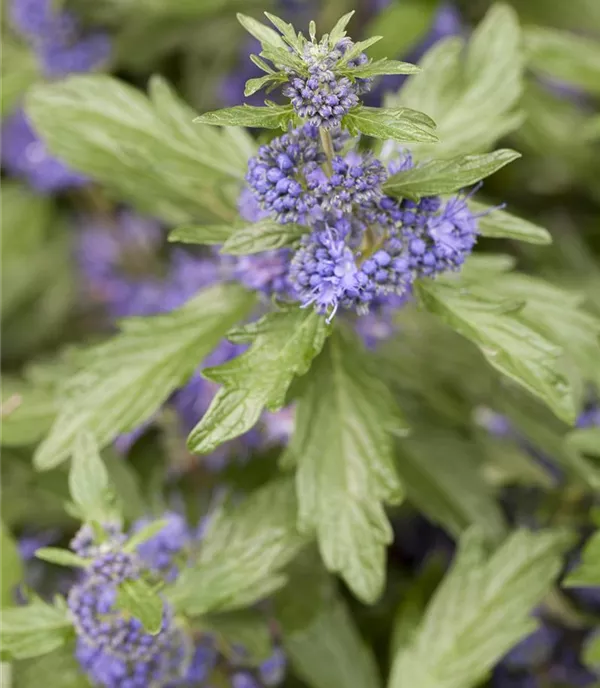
point(327, 144)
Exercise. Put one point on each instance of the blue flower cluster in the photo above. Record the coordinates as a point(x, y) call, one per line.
point(60, 44)
point(166, 551)
point(362, 249)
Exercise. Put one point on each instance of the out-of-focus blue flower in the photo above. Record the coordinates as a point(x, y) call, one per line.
point(25, 155)
point(88, 53)
point(164, 550)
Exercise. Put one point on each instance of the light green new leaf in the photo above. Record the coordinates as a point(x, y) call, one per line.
point(379, 68)
point(243, 553)
point(254, 85)
point(27, 412)
point(508, 342)
point(564, 56)
point(481, 609)
point(320, 636)
point(447, 176)
point(88, 481)
point(283, 345)
point(205, 234)
point(502, 225)
point(399, 124)
point(471, 90)
point(11, 567)
point(62, 557)
point(264, 235)
point(144, 534)
point(145, 151)
point(587, 573)
point(138, 599)
point(265, 34)
point(345, 470)
point(339, 30)
point(124, 381)
point(268, 117)
point(33, 630)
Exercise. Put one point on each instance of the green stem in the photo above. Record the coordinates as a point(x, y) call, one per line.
point(327, 144)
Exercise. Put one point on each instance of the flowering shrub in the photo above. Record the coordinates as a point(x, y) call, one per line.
point(278, 408)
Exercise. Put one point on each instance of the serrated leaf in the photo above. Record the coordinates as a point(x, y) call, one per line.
point(399, 124)
point(88, 480)
point(264, 235)
point(481, 609)
point(207, 234)
point(123, 382)
point(472, 91)
point(380, 68)
point(287, 30)
point(510, 345)
point(27, 412)
point(502, 225)
point(447, 176)
point(33, 630)
point(145, 151)
point(564, 56)
point(254, 85)
point(262, 33)
point(10, 566)
point(339, 30)
point(283, 346)
point(345, 472)
point(451, 493)
point(357, 49)
point(587, 573)
point(62, 557)
point(243, 553)
point(137, 598)
point(268, 117)
point(320, 636)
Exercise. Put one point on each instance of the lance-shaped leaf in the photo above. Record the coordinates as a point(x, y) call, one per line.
point(447, 176)
point(264, 235)
point(481, 609)
point(271, 80)
point(146, 151)
point(138, 599)
point(587, 573)
point(283, 345)
point(123, 382)
point(62, 557)
point(502, 225)
point(345, 470)
point(244, 551)
point(33, 630)
point(27, 412)
point(202, 234)
point(399, 124)
point(379, 68)
point(267, 117)
point(508, 342)
point(320, 637)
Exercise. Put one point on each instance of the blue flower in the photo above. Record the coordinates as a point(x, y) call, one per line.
point(163, 552)
point(88, 53)
point(356, 181)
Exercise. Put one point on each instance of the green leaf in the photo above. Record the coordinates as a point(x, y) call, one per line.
point(33, 630)
point(88, 481)
point(58, 669)
point(137, 598)
point(471, 90)
point(243, 553)
point(451, 492)
point(344, 450)
point(27, 412)
point(357, 49)
point(320, 637)
point(207, 234)
point(381, 67)
point(123, 382)
point(254, 85)
point(268, 117)
point(262, 33)
point(283, 345)
point(585, 440)
point(144, 151)
point(11, 567)
point(287, 30)
point(402, 25)
point(399, 124)
point(481, 610)
point(587, 573)
point(264, 235)
point(246, 628)
point(502, 225)
point(508, 342)
point(564, 56)
point(447, 176)
point(147, 532)
point(62, 557)
point(591, 651)
point(19, 71)
point(339, 30)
